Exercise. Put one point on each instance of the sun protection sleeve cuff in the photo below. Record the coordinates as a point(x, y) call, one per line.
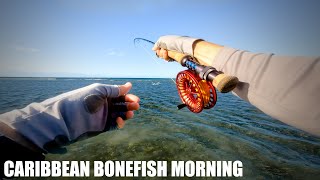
point(284, 87)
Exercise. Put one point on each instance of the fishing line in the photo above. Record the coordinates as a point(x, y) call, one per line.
point(137, 40)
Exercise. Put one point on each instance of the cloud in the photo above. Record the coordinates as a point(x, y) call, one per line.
point(115, 52)
point(26, 49)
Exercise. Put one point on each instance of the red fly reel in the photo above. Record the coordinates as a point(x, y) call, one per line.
point(195, 93)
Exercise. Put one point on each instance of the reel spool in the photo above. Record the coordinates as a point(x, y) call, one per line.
point(195, 93)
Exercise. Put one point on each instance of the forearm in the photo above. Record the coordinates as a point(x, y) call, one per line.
point(285, 88)
point(57, 121)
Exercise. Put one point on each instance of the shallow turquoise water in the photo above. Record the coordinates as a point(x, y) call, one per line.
point(232, 130)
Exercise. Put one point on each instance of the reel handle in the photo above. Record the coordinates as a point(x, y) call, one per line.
point(224, 83)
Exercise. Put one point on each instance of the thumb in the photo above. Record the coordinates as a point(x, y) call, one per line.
point(124, 89)
point(155, 47)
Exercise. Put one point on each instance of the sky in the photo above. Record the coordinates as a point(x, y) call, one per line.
point(94, 38)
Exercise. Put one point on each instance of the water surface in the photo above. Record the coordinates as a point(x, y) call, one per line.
point(232, 130)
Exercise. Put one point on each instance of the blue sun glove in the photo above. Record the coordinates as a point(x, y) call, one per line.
point(62, 119)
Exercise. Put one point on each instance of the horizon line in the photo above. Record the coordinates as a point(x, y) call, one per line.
point(84, 77)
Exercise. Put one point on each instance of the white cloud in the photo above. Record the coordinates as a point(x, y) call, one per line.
point(26, 49)
point(115, 52)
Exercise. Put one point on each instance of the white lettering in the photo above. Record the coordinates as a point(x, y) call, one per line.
point(129, 169)
point(37, 169)
point(218, 168)
point(45, 169)
point(189, 168)
point(143, 166)
point(8, 172)
point(98, 169)
point(162, 169)
point(109, 168)
point(211, 168)
point(74, 169)
point(152, 172)
point(177, 168)
point(65, 169)
point(200, 168)
point(28, 168)
point(123, 168)
point(85, 169)
point(237, 169)
point(19, 172)
point(227, 168)
point(136, 168)
point(120, 168)
point(55, 168)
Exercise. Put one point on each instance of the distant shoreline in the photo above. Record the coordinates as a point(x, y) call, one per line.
point(45, 78)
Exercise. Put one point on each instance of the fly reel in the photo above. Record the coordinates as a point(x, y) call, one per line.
point(195, 93)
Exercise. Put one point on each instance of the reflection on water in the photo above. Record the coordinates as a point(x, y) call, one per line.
point(232, 130)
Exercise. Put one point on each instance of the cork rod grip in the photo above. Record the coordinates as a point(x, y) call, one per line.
point(224, 83)
point(176, 56)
